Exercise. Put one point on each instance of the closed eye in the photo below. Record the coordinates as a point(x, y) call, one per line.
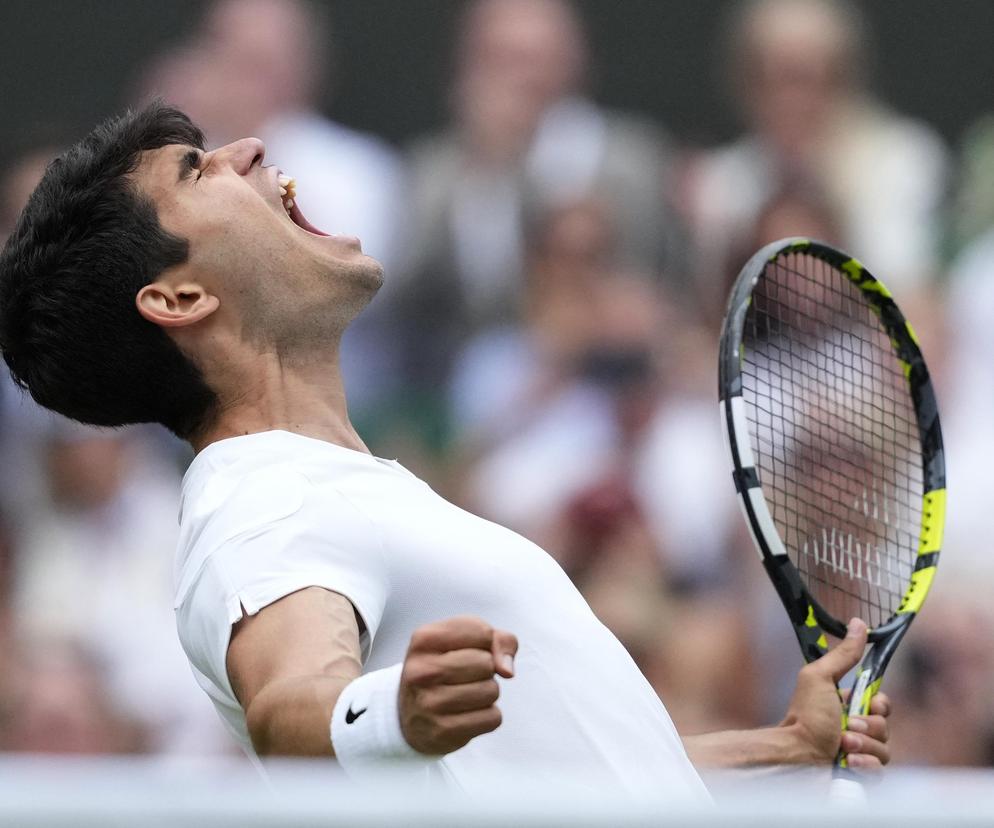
point(192, 159)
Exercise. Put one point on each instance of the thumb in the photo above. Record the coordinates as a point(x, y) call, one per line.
point(505, 645)
point(847, 653)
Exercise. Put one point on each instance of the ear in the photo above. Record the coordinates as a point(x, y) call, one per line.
point(175, 306)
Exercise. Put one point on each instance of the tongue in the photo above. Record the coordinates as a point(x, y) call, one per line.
point(298, 218)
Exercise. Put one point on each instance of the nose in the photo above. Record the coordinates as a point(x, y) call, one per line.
point(241, 155)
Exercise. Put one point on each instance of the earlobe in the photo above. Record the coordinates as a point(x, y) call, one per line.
point(174, 307)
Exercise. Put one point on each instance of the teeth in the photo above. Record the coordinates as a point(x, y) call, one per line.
point(288, 190)
point(287, 184)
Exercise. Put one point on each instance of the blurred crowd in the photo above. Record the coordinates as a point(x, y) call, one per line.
point(543, 352)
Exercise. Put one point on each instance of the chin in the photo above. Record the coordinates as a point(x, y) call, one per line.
point(367, 273)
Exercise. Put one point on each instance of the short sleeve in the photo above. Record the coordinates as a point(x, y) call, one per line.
point(277, 532)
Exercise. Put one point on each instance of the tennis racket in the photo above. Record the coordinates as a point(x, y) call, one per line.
point(836, 448)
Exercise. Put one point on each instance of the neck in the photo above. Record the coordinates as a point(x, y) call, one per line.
point(303, 397)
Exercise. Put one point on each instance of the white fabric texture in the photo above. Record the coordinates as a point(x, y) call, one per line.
point(267, 514)
point(365, 725)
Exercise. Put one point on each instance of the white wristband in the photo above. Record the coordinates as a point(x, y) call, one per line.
point(365, 724)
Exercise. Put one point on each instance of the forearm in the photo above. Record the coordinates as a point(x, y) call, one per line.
point(292, 717)
point(748, 748)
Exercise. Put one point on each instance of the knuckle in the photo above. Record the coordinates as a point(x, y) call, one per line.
point(473, 624)
point(430, 700)
point(420, 637)
point(491, 691)
point(476, 663)
point(420, 672)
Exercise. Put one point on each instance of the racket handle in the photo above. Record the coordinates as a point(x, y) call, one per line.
point(846, 791)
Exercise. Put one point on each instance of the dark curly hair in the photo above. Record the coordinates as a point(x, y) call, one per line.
point(87, 242)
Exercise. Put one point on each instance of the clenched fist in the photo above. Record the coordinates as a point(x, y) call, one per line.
point(448, 692)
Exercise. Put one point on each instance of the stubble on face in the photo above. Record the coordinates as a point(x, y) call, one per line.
point(306, 314)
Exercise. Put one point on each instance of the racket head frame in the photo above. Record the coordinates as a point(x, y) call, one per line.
point(810, 621)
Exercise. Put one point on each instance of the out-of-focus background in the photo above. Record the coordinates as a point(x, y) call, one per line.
point(562, 194)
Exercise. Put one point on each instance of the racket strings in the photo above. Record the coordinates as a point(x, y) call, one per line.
point(834, 435)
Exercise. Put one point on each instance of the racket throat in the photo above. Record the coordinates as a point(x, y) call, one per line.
point(798, 604)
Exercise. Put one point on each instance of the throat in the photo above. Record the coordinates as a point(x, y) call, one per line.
point(305, 397)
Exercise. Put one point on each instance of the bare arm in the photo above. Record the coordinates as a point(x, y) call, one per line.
point(288, 664)
point(809, 734)
point(745, 748)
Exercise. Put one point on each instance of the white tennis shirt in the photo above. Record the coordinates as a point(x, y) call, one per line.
point(267, 514)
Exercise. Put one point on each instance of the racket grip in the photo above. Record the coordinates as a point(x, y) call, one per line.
point(846, 791)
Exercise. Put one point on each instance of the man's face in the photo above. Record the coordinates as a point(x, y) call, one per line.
point(278, 279)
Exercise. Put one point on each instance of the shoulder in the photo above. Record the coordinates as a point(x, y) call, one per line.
point(269, 515)
point(220, 504)
point(894, 139)
point(286, 502)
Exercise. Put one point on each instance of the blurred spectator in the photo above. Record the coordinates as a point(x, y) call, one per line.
point(524, 138)
point(798, 72)
point(967, 413)
point(798, 208)
point(942, 679)
point(255, 67)
point(509, 366)
point(94, 567)
point(54, 699)
point(974, 209)
point(601, 371)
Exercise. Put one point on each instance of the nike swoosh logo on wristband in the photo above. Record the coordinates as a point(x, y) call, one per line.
point(351, 717)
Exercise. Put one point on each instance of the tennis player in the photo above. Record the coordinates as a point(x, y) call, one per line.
point(331, 603)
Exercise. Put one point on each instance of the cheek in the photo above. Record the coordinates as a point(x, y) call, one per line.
point(246, 240)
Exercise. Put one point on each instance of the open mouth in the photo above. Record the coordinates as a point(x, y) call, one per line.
point(288, 195)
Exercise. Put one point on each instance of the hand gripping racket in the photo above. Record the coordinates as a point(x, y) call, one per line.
point(836, 449)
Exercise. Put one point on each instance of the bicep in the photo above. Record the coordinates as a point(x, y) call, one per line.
point(311, 633)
